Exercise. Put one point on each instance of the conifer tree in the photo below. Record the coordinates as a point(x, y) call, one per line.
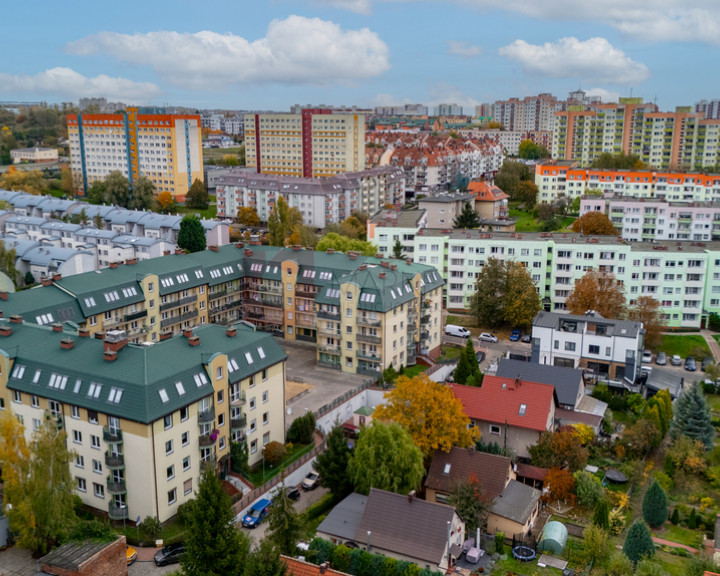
point(601, 517)
point(692, 417)
point(654, 506)
point(638, 543)
point(333, 462)
point(468, 218)
point(285, 525)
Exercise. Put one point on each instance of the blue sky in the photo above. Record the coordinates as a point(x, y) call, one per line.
point(271, 54)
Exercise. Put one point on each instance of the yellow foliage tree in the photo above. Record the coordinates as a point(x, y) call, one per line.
point(583, 433)
point(30, 181)
point(248, 215)
point(430, 412)
point(166, 201)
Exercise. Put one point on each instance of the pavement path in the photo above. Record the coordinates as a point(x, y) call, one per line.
point(663, 542)
point(712, 343)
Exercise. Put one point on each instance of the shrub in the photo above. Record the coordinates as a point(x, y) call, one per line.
point(588, 488)
point(302, 429)
point(692, 520)
point(601, 517)
point(275, 452)
point(675, 518)
point(617, 521)
point(185, 510)
point(499, 542)
point(151, 527)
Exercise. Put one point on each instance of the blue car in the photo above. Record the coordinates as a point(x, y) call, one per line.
point(515, 336)
point(256, 514)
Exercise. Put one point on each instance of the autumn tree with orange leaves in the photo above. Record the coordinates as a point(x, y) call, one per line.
point(599, 291)
point(430, 412)
point(559, 486)
point(165, 201)
point(594, 224)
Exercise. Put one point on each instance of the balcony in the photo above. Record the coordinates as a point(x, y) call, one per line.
point(115, 486)
point(112, 435)
point(114, 461)
point(425, 318)
point(209, 463)
point(206, 416)
point(330, 349)
point(368, 338)
point(178, 302)
point(217, 294)
point(117, 512)
point(206, 440)
point(238, 399)
point(272, 302)
point(305, 322)
point(304, 293)
point(325, 364)
point(329, 315)
point(305, 338)
point(135, 315)
point(373, 357)
point(177, 319)
point(368, 372)
point(239, 423)
point(368, 321)
point(267, 288)
point(424, 335)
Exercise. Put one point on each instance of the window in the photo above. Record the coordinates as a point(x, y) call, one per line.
point(570, 346)
point(221, 420)
point(99, 490)
point(218, 373)
point(593, 349)
point(266, 417)
point(252, 403)
point(168, 447)
point(187, 487)
point(168, 421)
point(494, 429)
point(77, 436)
point(186, 463)
point(522, 410)
point(185, 438)
point(34, 402)
point(264, 374)
point(81, 484)
point(172, 496)
point(17, 396)
point(253, 425)
point(183, 413)
point(92, 415)
point(75, 412)
point(253, 447)
point(36, 423)
point(220, 396)
point(97, 466)
point(95, 441)
point(265, 396)
point(170, 472)
point(221, 444)
point(79, 461)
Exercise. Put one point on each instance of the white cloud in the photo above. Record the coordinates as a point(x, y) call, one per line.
point(593, 59)
point(443, 93)
point(296, 50)
point(605, 95)
point(357, 6)
point(66, 83)
point(463, 49)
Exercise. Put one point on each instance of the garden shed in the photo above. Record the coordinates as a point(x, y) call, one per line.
point(554, 537)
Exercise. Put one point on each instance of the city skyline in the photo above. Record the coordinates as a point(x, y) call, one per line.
point(362, 52)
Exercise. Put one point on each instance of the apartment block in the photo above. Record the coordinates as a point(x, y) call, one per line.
point(283, 291)
point(532, 113)
point(390, 226)
point(165, 148)
point(172, 408)
point(640, 220)
point(321, 201)
point(709, 109)
point(567, 180)
point(313, 143)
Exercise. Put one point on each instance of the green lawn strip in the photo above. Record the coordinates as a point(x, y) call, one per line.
point(713, 401)
point(449, 354)
point(683, 345)
point(218, 153)
point(680, 535)
point(256, 475)
point(412, 371)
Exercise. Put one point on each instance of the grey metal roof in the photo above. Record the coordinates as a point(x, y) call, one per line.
point(447, 198)
point(617, 328)
point(565, 380)
point(343, 520)
point(45, 255)
point(73, 556)
point(517, 502)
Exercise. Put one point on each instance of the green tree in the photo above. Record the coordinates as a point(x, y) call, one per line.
point(638, 543)
point(654, 506)
point(692, 417)
point(510, 175)
point(197, 197)
point(282, 222)
point(66, 180)
point(504, 293)
point(239, 457)
point(7, 262)
point(594, 224)
point(619, 161)
point(213, 545)
point(468, 218)
point(467, 366)
point(191, 236)
point(471, 502)
point(333, 462)
point(302, 428)
point(247, 215)
point(588, 488)
point(559, 449)
point(344, 244)
point(141, 195)
point(29, 278)
point(398, 250)
point(264, 560)
point(38, 485)
point(284, 523)
point(385, 457)
point(595, 544)
point(117, 189)
point(30, 181)
point(601, 516)
point(96, 193)
point(526, 192)
point(575, 205)
point(98, 222)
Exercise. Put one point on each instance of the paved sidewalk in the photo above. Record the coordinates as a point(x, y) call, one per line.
point(712, 343)
point(663, 542)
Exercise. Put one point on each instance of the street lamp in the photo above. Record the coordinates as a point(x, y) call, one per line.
point(122, 507)
point(263, 465)
point(368, 546)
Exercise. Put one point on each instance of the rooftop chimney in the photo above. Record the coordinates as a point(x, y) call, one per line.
point(3, 295)
point(46, 281)
point(109, 355)
point(393, 267)
point(165, 335)
point(16, 319)
point(213, 248)
point(114, 265)
point(330, 251)
point(231, 332)
point(56, 277)
point(5, 330)
point(100, 335)
point(57, 327)
point(411, 495)
point(115, 340)
point(84, 333)
point(194, 340)
point(67, 343)
point(130, 261)
point(381, 275)
point(179, 251)
point(248, 252)
point(187, 332)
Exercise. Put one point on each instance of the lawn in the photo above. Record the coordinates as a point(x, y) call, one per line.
point(264, 472)
point(208, 214)
point(526, 222)
point(683, 345)
point(450, 354)
point(713, 401)
point(412, 371)
point(680, 535)
point(218, 153)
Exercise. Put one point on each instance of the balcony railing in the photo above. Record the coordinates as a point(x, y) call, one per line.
point(114, 460)
point(177, 319)
point(217, 294)
point(239, 423)
point(113, 435)
point(329, 315)
point(238, 399)
point(117, 512)
point(325, 364)
point(369, 338)
point(368, 372)
point(205, 440)
point(366, 321)
point(368, 356)
point(115, 486)
point(206, 415)
point(135, 315)
point(178, 302)
point(274, 302)
point(329, 332)
point(330, 349)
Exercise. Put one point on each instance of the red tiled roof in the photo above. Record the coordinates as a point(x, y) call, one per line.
point(532, 472)
point(500, 400)
point(485, 192)
point(297, 567)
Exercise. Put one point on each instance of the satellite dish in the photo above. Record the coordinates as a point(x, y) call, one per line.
point(289, 411)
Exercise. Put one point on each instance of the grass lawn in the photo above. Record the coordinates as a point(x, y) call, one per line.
point(218, 153)
point(449, 354)
point(680, 535)
point(260, 475)
point(683, 344)
point(412, 371)
point(713, 401)
point(525, 221)
point(208, 214)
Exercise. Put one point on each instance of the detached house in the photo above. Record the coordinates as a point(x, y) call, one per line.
point(511, 411)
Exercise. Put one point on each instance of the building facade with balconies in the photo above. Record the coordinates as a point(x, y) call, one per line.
point(143, 421)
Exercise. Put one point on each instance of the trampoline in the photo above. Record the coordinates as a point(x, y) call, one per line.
point(523, 553)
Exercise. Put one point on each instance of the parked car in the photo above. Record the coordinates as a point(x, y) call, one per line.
point(675, 360)
point(661, 358)
point(131, 554)
point(527, 338)
point(256, 514)
point(707, 362)
point(690, 364)
point(459, 331)
point(480, 355)
point(169, 554)
point(293, 493)
point(515, 336)
point(647, 356)
point(487, 337)
point(311, 481)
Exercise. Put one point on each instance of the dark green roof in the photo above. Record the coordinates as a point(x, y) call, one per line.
point(140, 371)
point(43, 300)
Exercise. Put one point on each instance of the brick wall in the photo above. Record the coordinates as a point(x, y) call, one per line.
point(110, 561)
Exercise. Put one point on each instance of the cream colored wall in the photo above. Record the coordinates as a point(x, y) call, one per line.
point(395, 336)
point(351, 323)
point(153, 330)
point(275, 406)
point(289, 309)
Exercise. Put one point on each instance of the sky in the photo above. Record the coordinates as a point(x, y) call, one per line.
point(271, 54)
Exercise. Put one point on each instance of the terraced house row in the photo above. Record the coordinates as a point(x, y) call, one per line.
point(683, 276)
point(363, 314)
point(144, 421)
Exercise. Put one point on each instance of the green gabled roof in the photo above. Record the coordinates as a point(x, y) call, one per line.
point(139, 371)
point(389, 291)
point(365, 411)
point(43, 300)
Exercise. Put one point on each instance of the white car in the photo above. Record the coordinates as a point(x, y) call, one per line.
point(647, 356)
point(487, 337)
